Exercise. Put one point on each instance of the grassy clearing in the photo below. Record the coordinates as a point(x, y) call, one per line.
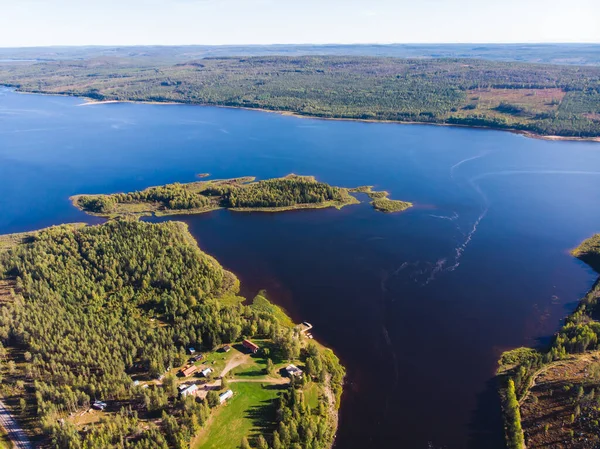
point(248, 413)
point(311, 395)
point(262, 304)
point(347, 201)
point(589, 251)
point(526, 103)
point(256, 367)
point(561, 407)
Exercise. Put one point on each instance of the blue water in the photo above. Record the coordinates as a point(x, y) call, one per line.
point(417, 305)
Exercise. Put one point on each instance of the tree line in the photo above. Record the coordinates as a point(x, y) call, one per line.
point(282, 192)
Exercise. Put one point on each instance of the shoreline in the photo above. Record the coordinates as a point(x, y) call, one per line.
point(529, 134)
point(520, 368)
point(91, 101)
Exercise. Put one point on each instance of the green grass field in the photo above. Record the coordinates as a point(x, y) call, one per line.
point(261, 304)
point(249, 412)
point(256, 368)
point(311, 395)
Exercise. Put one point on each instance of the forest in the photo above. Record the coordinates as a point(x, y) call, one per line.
point(543, 99)
point(289, 192)
point(91, 308)
point(570, 367)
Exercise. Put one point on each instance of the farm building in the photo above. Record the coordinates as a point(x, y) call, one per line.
point(224, 396)
point(206, 372)
point(226, 348)
point(196, 358)
point(186, 390)
point(186, 372)
point(250, 346)
point(293, 370)
point(192, 351)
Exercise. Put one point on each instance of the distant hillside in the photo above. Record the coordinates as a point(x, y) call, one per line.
point(542, 99)
point(579, 54)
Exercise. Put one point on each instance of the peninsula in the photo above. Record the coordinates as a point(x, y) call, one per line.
point(239, 194)
point(552, 397)
point(127, 335)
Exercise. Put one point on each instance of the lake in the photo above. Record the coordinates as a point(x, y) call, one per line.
point(418, 305)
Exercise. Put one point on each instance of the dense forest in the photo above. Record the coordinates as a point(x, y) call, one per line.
point(543, 99)
point(90, 309)
point(579, 336)
point(231, 193)
point(282, 193)
point(290, 192)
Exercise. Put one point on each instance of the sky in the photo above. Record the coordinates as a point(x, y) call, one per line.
point(218, 22)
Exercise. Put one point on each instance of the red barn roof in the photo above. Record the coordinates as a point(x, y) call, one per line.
point(248, 344)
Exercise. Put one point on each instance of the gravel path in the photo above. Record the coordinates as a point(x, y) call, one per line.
point(15, 433)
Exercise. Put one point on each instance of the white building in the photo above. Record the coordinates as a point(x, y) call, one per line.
point(293, 370)
point(206, 371)
point(224, 396)
point(186, 390)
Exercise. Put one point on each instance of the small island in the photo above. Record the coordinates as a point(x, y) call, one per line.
point(551, 397)
point(238, 194)
point(381, 202)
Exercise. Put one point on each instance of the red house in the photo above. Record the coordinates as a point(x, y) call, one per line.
point(251, 346)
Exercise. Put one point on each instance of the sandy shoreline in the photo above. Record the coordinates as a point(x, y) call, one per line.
point(91, 101)
point(532, 135)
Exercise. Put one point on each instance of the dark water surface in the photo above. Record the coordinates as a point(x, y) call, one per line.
point(417, 305)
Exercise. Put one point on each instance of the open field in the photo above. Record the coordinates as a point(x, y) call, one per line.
point(526, 103)
point(261, 304)
point(249, 412)
point(561, 408)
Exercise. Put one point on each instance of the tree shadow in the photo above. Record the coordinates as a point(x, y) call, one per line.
point(255, 373)
point(264, 415)
point(486, 428)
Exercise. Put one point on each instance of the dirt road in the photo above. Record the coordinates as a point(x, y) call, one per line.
point(16, 434)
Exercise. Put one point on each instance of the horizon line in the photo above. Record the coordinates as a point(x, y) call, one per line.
point(383, 44)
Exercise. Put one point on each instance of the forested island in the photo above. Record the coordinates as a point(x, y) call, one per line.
point(551, 398)
point(127, 335)
point(238, 194)
point(541, 99)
